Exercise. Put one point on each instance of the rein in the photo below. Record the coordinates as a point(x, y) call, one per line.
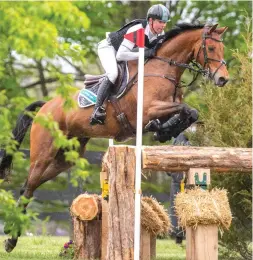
point(196, 67)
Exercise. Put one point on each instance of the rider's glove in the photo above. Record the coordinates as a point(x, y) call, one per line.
point(149, 53)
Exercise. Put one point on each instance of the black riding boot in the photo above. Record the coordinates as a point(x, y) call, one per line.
point(99, 114)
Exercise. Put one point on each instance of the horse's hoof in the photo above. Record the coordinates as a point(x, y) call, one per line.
point(9, 245)
point(7, 231)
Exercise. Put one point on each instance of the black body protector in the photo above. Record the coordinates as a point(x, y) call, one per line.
point(118, 36)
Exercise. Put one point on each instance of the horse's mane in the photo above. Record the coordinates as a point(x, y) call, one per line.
point(180, 28)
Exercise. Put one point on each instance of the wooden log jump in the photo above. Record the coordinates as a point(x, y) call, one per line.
point(117, 240)
point(182, 158)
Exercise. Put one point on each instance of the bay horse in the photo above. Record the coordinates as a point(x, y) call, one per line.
point(162, 100)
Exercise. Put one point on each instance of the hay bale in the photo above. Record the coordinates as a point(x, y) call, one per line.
point(150, 219)
point(161, 212)
point(200, 207)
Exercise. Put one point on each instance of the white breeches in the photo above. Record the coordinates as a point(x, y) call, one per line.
point(107, 56)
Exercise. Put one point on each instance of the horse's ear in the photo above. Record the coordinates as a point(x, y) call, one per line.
point(212, 29)
point(221, 30)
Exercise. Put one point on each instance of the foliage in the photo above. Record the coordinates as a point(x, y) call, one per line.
point(15, 220)
point(227, 123)
point(48, 29)
point(68, 250)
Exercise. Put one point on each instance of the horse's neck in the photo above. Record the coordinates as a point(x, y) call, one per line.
point(181, 48)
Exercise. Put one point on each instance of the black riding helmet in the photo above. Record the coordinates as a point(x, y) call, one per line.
point(159, 12)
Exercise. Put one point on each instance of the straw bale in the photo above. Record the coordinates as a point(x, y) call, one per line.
point(161, 212)
point(150, 219)
point(199, 207)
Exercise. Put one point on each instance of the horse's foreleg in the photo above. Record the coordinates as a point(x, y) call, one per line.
point(176, 124)
point(177, 117)
point(159, 109)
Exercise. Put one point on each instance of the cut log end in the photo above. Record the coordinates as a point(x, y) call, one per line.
point(85, 207)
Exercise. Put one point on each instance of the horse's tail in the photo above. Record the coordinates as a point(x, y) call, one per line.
point(22, 125)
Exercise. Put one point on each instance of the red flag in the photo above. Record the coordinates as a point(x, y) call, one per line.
point(136, 37)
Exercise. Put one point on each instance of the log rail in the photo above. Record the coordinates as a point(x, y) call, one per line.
point(182, 158)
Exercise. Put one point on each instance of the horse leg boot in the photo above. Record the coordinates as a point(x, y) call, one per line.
point(176, 124)
point(99, 114)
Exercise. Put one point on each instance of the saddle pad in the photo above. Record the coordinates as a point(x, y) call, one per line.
point(88, 96)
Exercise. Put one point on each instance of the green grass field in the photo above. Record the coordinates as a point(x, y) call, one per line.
point(48, 247)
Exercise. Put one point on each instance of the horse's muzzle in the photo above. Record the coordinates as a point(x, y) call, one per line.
point(221, 82)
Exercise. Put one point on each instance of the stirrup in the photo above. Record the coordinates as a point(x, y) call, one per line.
point(98, 118)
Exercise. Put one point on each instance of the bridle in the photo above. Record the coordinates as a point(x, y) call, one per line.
point(208, 73)
point(196, 67)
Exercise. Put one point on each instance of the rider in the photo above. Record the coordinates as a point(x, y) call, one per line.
point(116, 48)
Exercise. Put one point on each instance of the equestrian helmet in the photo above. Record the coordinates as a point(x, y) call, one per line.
point(159, 12)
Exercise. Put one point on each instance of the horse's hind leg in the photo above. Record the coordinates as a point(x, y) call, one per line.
point(42, 153)
point(39, 174)
point(34, 180)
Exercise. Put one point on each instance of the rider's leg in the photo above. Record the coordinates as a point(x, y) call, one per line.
point(107, 56)
point(99, 113)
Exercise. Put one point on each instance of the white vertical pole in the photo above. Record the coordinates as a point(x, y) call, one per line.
point(110, 140)
point(138, 156)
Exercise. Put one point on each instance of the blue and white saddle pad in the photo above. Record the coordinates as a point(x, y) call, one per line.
point(86, 98)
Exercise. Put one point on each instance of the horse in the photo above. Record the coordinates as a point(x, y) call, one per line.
point(163, 100)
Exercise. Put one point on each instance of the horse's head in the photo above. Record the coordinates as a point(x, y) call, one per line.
point(209, 52)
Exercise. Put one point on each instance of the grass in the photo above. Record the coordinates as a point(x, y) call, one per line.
point(48, 247)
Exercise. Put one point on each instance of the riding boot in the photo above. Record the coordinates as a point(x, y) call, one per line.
point(99, 114)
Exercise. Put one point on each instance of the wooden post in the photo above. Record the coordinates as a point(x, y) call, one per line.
point(145, 253)
point(152, 247)
point(121, 203)
point(87, 237)
point(104, 238)
point(147, 245)
point(202, 243)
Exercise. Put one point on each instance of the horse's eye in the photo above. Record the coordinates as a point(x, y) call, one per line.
point(211, 48)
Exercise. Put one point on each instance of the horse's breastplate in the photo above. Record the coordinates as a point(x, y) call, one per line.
point(118, 36)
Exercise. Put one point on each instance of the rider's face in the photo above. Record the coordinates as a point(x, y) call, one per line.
point(157, 26)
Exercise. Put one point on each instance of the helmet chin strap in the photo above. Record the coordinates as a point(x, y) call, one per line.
point(153, 27)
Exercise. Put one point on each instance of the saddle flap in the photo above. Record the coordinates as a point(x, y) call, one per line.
point(87, 96)
point(93, 77)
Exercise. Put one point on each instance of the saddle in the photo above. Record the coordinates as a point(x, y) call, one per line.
point(88, 95)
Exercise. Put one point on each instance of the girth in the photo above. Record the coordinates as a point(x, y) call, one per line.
point(126, 127)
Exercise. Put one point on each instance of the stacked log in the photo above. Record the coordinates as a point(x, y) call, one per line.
point(86, 216)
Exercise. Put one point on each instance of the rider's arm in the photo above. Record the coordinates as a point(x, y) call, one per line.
point(126, 50)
